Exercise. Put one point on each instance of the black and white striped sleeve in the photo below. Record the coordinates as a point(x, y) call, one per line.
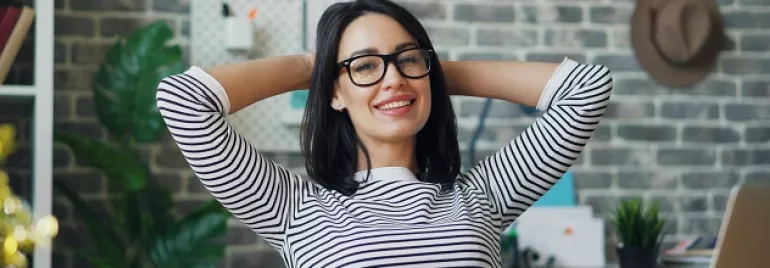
point(254, 189)
point(574, 102)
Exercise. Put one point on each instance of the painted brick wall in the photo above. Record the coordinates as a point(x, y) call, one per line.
point(685, 147)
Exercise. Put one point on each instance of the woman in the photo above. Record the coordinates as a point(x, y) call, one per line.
point(384, 186)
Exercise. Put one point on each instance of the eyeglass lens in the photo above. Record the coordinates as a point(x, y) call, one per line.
point(367, 70)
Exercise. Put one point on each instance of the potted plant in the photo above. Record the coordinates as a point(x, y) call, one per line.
point(138, 228)
point(639, 230)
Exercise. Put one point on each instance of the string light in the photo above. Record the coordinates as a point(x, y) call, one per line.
point(19, 232)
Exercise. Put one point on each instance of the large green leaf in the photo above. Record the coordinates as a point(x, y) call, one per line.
point(146, 212)
point(108, 246)
point(125, 84)
point(192, 243)
point(121, 166)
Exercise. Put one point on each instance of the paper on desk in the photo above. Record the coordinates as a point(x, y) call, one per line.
point(574, 242)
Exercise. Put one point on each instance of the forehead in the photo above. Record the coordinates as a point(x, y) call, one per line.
point(375, 32)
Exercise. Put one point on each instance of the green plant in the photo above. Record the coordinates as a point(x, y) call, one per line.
point(138, 229)
point(636, 224)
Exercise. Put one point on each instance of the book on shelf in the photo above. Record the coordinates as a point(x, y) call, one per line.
point(15, 22)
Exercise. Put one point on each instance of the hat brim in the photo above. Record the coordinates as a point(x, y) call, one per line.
point(655, 64)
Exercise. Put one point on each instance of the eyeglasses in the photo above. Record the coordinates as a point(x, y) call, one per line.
point(366, 70)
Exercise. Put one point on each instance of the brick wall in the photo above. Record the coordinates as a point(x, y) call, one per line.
point(685, 147)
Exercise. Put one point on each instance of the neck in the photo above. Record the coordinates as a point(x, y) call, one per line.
point(389, 154)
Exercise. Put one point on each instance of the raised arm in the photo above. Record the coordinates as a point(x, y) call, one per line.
point(574, 97)
point(194, 105)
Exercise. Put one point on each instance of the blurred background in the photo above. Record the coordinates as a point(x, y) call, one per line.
point(685, 147)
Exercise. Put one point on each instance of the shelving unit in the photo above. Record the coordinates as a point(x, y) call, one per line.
point(41, 93)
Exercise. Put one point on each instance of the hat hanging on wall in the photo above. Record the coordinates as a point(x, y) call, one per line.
point(677, 41)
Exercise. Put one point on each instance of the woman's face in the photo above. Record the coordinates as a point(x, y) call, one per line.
point(396, 107)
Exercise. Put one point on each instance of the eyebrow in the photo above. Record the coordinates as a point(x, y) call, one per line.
point(372, 50)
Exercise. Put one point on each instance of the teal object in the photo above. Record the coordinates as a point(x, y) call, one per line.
point(298, 99)
point(561, 194)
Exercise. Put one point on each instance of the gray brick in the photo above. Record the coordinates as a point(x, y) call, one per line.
point(601, 204)
point(185, 28)
point(171, 181)
point(745, 157)
point(449, 36)
point(730, 44)
point(109, 26)
point(753, 3)
point(74, 26)
point(755, 42)
point(630, 109)
point(745, 65)
point(85, 106)
point(719, 202)
point(89, 53)
point(241, 235)
point(712, 86)
point(551, 14)
point(484, 13)
point(61, 157)
point(755, 88)
point(485, 56)
point(646, 132)
point(507, 37)
point(711, 179)
point(747, 112)
point(170, 158)
point(60, 52)
point(423, 10)
point(686, 157)
point(603, 133)
point(73, 79)
point(689, 110)
point(713, 135)
point(62, 107)
point(620, 156)
point(256, 258)
point(585, 179)
point(195, 186)
point(757, 177)
point(180, 6)
point(555, 57)
point(90, 129)
point(746, 19)
point(610, 14)
point(498, 109)
point(646, 179)
point(582, 38)
point(757, 134)
point(700, 225)
point(84, 182)
point(618, 63)
point(101, 5)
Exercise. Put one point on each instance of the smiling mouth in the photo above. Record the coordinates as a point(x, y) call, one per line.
point(395, 104)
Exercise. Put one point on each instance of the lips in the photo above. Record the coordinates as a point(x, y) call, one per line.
point(395, 102)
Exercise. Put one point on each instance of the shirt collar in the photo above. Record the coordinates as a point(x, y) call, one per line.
point(386, 174)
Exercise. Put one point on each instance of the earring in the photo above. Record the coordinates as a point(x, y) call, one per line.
point(339, 106)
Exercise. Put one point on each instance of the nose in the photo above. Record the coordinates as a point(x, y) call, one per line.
point(393, 79)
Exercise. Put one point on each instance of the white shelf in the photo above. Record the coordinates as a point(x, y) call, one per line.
point(18, 90)
point(42, 128)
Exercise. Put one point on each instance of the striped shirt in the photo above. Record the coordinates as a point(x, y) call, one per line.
point(393, 220)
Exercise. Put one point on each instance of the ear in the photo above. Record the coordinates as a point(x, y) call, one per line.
point(338, 102)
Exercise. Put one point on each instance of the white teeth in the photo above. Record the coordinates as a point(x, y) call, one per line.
point(395, 104)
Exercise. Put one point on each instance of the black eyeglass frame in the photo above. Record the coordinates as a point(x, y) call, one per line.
point(387, 59)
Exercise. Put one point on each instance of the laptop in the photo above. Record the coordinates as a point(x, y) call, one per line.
point(744, 236)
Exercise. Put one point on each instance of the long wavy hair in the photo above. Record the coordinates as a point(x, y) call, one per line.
point(328, 139)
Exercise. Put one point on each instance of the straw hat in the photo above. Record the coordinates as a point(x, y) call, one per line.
point(677, 41)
